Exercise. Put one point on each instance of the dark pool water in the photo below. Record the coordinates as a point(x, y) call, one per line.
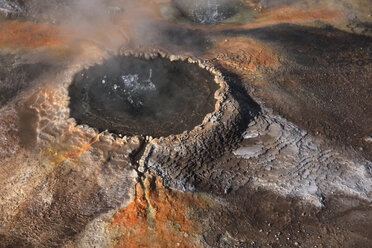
point(134, 96)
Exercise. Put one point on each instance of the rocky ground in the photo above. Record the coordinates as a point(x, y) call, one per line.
point(284, 160)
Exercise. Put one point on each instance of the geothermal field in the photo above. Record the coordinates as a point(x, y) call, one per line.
point(185, 123)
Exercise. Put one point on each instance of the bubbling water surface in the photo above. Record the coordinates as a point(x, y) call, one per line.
point(134, 96)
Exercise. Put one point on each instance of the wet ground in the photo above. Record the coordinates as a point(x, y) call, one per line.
point(278, 154)
point(314, 89)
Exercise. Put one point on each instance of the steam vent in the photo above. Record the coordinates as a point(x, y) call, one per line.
point(185, 123)
point(209, 12)
point(205, 12)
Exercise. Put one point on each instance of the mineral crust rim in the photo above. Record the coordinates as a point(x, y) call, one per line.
point(219, 95)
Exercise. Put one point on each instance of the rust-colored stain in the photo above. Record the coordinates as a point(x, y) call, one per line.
point(58, 154)
point(158, 218)
point(28, 35)
point(242, 55)
point(77, 152)
point(290, 14)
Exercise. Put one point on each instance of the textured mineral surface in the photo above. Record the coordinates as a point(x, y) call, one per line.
point(166, 123)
